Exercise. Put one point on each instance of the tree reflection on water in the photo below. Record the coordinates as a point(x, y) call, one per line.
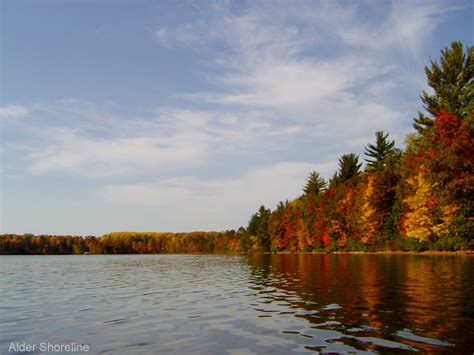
point(424, 301)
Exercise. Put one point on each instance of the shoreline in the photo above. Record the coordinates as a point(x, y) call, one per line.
point(380, 252)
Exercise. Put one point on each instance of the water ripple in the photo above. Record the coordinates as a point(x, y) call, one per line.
point(213, 304)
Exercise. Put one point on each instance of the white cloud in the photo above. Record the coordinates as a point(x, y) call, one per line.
point(406, 26)
point(286, 60)
point(332, 69)
point(280, 29)
point(93, 141)
point(295, 84)
point(12, 112)
point(217, 204)
point(68, 151)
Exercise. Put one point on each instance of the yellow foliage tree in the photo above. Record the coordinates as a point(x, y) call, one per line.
point(417, 221)
point(368, 213)
point(441, 230)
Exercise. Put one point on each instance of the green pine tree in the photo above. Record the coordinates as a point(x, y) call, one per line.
point(349, 167)
point(315, 184)
point(377, 153)
point(453, 83)
point(258, 227)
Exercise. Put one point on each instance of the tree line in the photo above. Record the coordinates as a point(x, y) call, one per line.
point(417, 199)
point(123, 243)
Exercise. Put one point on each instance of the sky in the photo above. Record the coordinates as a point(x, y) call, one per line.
point(189, 115)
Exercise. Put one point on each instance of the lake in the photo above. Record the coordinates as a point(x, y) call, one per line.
point(214, 304)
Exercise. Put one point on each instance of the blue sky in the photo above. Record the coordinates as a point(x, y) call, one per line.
point(180, 116)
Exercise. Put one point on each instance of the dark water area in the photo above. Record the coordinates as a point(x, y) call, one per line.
point(217, 304)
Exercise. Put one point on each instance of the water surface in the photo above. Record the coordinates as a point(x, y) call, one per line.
point(214, 304)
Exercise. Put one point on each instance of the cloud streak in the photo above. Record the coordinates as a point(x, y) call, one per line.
point(95, 142)
point(85, 156)
point(12, 112)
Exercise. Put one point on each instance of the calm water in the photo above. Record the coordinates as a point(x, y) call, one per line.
point(239, 304)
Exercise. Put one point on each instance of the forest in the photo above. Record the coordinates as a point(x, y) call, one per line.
point(420, 198)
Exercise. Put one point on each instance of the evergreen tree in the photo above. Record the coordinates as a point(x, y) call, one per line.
point(262, 233)
point(453, 83)
point(315, 184)
point(377, 153)
point(258, 227)
point(252, 227)
point(349, 167)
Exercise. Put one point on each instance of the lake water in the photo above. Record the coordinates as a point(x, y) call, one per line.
point(214, 304)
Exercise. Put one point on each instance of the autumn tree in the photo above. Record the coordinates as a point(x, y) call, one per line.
point(418, 222)
point(451, 157)
point(450, 163)
point(275, 226)
point(368, 215)
point(287, 227)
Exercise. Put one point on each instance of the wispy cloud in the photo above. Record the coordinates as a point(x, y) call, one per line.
point(277, 28)
point(86, 139)
point(12, 112)
point(319, 62)
point(405, 27)
point(67, 151)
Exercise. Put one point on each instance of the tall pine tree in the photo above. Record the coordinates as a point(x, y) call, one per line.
point(453, 83)
point(377, 153)
point(258, 228)
point(349, 167)
point(315, 184)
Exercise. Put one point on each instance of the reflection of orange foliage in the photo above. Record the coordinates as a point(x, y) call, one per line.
point(373, 285)
point(423, 292)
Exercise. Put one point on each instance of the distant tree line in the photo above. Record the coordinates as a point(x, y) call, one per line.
point(417, 199)
point(123, 243)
